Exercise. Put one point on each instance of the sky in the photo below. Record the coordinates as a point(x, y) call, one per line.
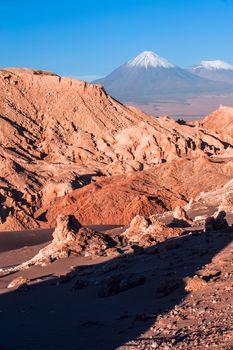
point(90, 38)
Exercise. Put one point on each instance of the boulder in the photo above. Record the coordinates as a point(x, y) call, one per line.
point(209, 224)
point(216, 222)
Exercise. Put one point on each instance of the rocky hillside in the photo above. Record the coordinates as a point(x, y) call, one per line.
point(117, 199)
point(220, 121)
point(59, 134)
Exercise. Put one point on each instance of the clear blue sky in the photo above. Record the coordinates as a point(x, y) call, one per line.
point(92, 37)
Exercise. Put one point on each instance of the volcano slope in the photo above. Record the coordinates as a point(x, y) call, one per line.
point(58, 134)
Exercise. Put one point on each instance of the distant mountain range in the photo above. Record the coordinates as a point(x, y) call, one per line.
point(150, 79)
point(214, 70)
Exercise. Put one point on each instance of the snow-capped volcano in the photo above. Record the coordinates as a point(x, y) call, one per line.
point(214, 65)
point(148, 77)
point(214, 70)
point(149, 59)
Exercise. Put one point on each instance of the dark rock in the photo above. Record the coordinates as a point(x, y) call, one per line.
point(169, 286)
point(79, 284)
point(138, 250)
point(119, 283)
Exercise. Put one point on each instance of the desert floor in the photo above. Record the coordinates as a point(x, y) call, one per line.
point(185, 301)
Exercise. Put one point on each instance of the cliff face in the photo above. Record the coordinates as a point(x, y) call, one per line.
point(58, 133)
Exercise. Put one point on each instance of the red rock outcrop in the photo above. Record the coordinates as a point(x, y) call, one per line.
point(117, 199)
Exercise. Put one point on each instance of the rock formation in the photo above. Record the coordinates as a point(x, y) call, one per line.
point(118, 199)
point(216, 222)
point(227, 203)
point(69, 237)
point(149, 231)
point(181, 217)
point(213, 205)
point(59, 134)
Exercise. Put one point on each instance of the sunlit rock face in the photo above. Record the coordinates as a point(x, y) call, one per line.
point(60, 135)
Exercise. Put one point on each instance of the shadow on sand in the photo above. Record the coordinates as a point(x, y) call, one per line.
point(55, 315)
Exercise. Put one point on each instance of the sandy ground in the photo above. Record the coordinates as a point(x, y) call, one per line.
point(161, 313)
